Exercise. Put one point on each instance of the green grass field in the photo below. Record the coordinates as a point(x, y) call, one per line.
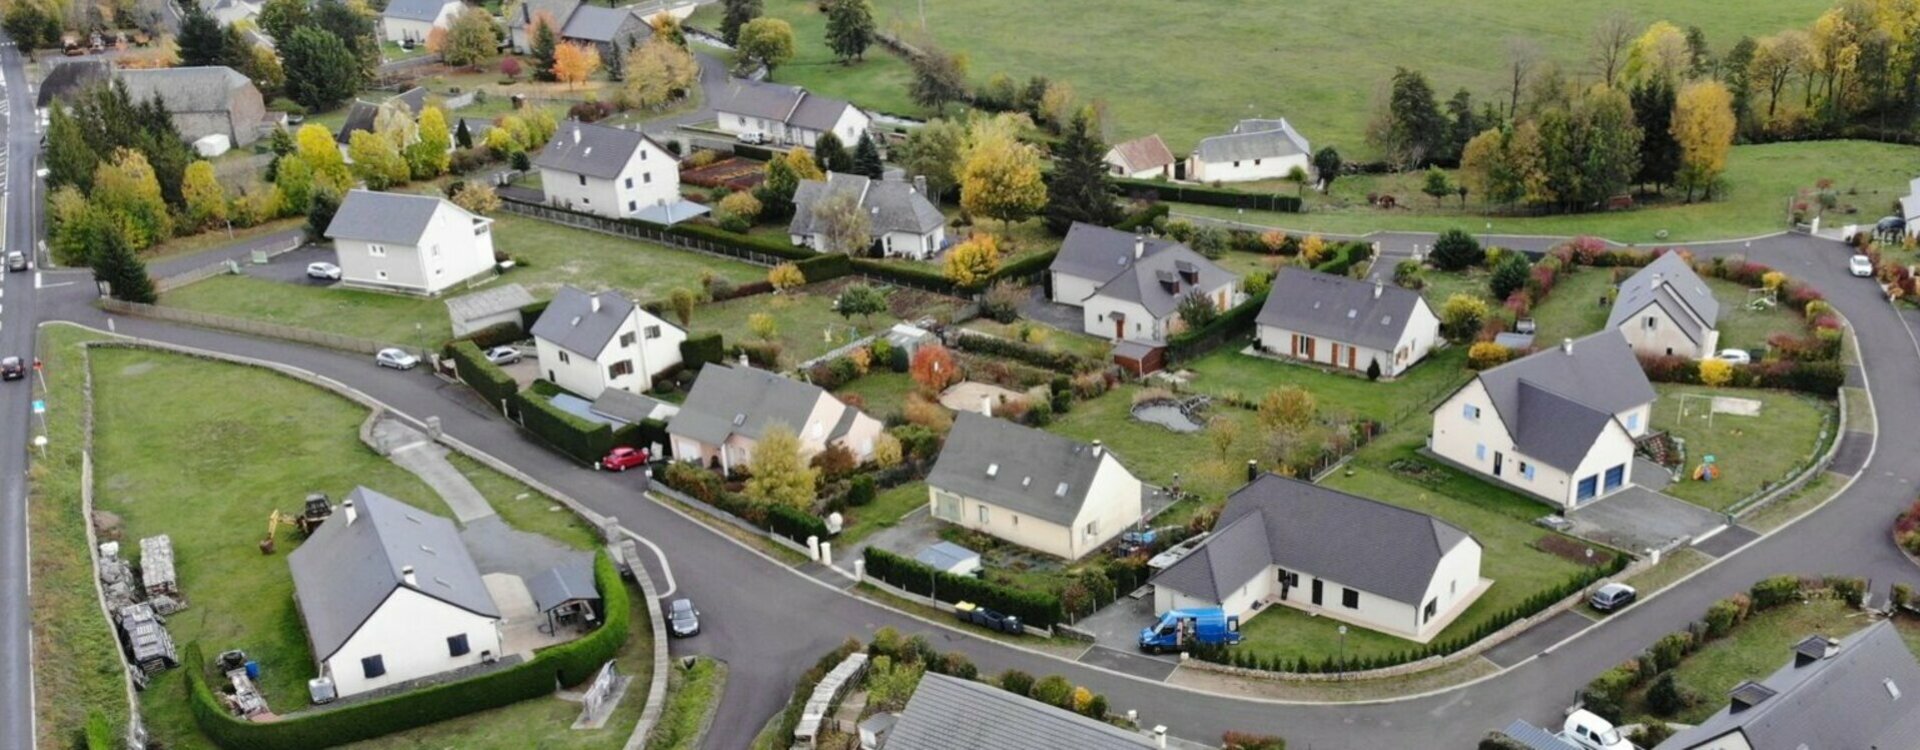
point(695, 693)
point(886, 510)
point(879, 82)
point(1752, 651)
point(1227, 371)
point(1752, 452)
point(1050, 338)
point(882, 390)
point(806, 324)
point(1155, 454)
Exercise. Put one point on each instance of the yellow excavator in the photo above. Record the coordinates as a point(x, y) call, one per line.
point(274, 520)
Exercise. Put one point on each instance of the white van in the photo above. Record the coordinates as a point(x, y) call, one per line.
point(1589, 731)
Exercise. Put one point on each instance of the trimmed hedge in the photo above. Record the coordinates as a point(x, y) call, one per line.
point(924, 278)
point(1195, 342)
point(795, 524)
point(1024, 267)
point(1179, 193)
point(569, 663)
point(582, 440)
point(1346, 255)
point(1144, 218)
point(1036, 608)
point(494, 335)
point(530, 314)
point(701, 349)
point(825, 267)
point(1071, 364)
point(483, 376)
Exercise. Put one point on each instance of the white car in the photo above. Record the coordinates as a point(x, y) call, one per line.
point(1734, 356)
point(396, 359)
point(753, 138)
point(1860, 265)
point(327, 271)
point(503, 355)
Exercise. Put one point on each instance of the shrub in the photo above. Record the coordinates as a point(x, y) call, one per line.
point(1406, 273)
point(703, 348)
point(1498, 741)
point(1002, 301)
point(1651, 734)
point(741, 204)
point(1456, 250)
point(1461, 314)
point(1065, 362)
point(1669, 650)
point(1775, 591)
point(1666, 697)
point(1509, 275)
point(1036, 608)
point(1726, 613)
point(1486, 354)
point(1054, 690)
point(1016, 682)
point(860, 490)
point(1249, 741)
point(1715, 372)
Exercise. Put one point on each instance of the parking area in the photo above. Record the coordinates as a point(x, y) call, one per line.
point(1637, 518)
point(1118, 626)
point(292, 267)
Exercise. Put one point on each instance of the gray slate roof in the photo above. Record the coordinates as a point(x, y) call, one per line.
point(1369, 545)
point(489, 302)
point(1568, 396)
point(949, 713)
point(414, 10)
point(744, 401)
point(592, 150)
point(530, 9)
point(392, 218)
point(1099, 253)
point(594, 23)
point(1353, 311)
point(345, 571)
point(627, 406)
point(567, 582)
point(1036, 473)
point(70, 76)
point(362, 115)
point(1841, 701)
point(789, 104)
point(1254, 139)
point(571, 323)
point(1157, 281)
point(186, 90)
point(1670, 283)
point(893, 206)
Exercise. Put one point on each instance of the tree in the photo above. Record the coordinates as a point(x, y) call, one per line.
point(1298, 176)
point(471, 39)
point(574, 62)
point(31, 27)
point(1455, 250)
point(1699, 57)
point(850, 28)
point(1486, 170)
point(1715, 372)
point(280, 18)
point(1326, 164)
point(510, 67)
point(830, 155)
point(1197, 309)
point(658, 72)
point(206, 200)
point(862, 300)
point(1410, 129)
point(1735, 71)
point(544, 45)
point(776, 191)
point(263, 66)
point(376, 161)
point(201, 41)
point(1666, 697)
point(763, 325)
point(1509, 275)
point(934, 151)
point(1609, 43)
point(1660, 52)
point(803, 164)
point(970, 263)
point(933, 368)
point(1288, 408)
point(115, 264)
point(741, 204)
point(315, 146)
point(70, 160)
point(767, 42)
point(843, 224)
point(939, 79)
point(1659, 153)
point(1436, 185)
point(128, 191)
point(320, 210)
point(1460, 316)
point(1703, 126)
point(866, 161)
point(1222, 434)
point(734, 15)
point(462, 136)
point(681, 301)
point(477, 197)
point(321, 70)
point(779, 475)
point(1522, 55)
point(355, 26)
point(1000, 176)
point(294, 178)
point(1081, 191)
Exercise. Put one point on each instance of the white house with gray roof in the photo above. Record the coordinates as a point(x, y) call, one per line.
point(1031, 487)
point(1255, 149)
point(1559, 424)
point(1322, 551)
point(730, 408)
point(1345, 323)
point(421, 244)
point(592, 343)
point(1854, 692)
point(787, 115)
point(612, 172)
point(904, 223)
point(1665, 309)
point(388, 594)
point(951, 713)
point(412, 20)
point(1129, 287)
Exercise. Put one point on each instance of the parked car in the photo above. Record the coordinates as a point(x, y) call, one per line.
point(623, 458)
point(503, 355)
point(16, 261)
point(1734, 356)
point(752, 138)
point(1588, 731)
point(1613, 596)
point(1860, 265)
point(325, 271)
point(683, 621)
point(12, 368)
point(396, 359)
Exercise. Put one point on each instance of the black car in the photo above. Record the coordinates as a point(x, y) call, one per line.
point(12, 368)
point(683, 621)
point(1613, 596)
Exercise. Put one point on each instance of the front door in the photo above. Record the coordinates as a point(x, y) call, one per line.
point(1287, 581)
point(1119, 326)
point(1499, 462)
point(1316, 592)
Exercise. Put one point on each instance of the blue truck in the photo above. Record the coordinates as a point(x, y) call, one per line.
point(1182, 629)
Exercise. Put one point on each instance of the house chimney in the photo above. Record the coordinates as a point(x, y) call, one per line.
point(1253, 469)
point(1378, 287)
point(406, 574)
point(986, 405)
point(920, 184)
point(351, 512)
point(1566, 345)
point(1139, 245)
point(1098, 449)
point(594, 305)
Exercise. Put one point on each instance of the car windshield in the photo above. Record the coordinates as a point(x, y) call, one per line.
point(1610, 737)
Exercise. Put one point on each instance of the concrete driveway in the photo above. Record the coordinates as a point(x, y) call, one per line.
point(1041, 310)
point(292, 267)
point(1638, 518)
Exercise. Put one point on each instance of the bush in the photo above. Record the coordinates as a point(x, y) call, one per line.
point(483, 376)
point(1016, 682)
point(1178, 193)
point(1036, 608)
point(1344, 257)
point(1456, 250)
point(1498, 741)
point(700, 349)
point(1461, 315)
point(1775, 591)
point(1651, 734)
point(1726, 613)
point(993, 345)
point(1670, 649)
point(1486, 354)
point(860, 491)
point(1198, 341)
point(1054, 690)
point(1666, 697)
point(1249, 741)
point(1509, 275)
point(1002, 301)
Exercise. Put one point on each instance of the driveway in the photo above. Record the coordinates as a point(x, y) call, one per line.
point(1039, 309)
point(292, 267)
point(1118, 626)
point(1637, 518)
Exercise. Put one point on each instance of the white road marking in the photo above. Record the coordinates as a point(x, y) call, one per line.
point(665, 569)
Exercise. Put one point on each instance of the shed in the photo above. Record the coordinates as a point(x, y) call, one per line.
point(948, 557)
point(501, 304)
point(156, 566)
point(1138, 357)
point(907, 339)
point(565, 594)
point(874, 731)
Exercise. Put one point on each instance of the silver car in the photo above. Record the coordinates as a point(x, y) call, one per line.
point(397, 359)
point(683, 621)
point(503, 355)
point(326, 271)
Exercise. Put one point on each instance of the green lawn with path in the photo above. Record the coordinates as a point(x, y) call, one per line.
point(378, 316)
point(1578, 305)
point(1752, 452)
point(882, 390)
point(1155, 454)
point(1226, 371)
point(887, 509)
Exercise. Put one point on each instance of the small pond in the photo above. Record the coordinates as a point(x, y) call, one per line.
point(1179, 416)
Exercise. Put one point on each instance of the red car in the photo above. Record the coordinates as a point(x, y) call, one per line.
point(623, 458)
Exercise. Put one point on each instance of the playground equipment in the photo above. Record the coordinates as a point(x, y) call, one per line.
point(1708, 470)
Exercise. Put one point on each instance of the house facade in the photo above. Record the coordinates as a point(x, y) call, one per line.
point(1253, 150)
point(1349, 324)
point(203, 101)
point(1558, 425)
point(410, 21)
point(1129, 287)
point(1143, 158)
point(419, 244)
point(904, 223)
point(590, 343)
point(730, 408)
point(1032, 488)
point(607, 171)
point(1665, 309)
point(787, 115)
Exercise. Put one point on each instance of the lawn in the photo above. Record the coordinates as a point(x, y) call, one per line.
point(1752, 452)
point(1045, 336)
point(1752, 651)
point(806, 324)
point(216, 238)
point(877, 83)
point(379, 316)
point(1157, 455)
point(882, 391)
point(886, 510)
point(1578, 305)
point(1227, 371)
point(694, 694)
point(1760, 180)
point(1744, 327)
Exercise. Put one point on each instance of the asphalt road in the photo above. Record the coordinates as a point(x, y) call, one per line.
point(16, 398)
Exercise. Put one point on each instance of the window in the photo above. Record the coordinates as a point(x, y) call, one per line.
point(373, 666)
point(564, 359)
point(1471, 412)
point(434, 251)
point(630, 179)
point(583, 180)
point(946, 507)
point(633, 206)
point(653, 332)
point(1652, 322)
point(1480, 451)
point(626, 340)
point(982, 509)
point(643, 157)
point(377, 251)
point(646, 177)
point(1256, 162)
point(1093, 527)
point(1633, 422)
point(1303, 346)
point(1433, 605)
point(1349, 598)
point(1526, 470)
point(457, 645)
point(620, 368)
point(1236, 162)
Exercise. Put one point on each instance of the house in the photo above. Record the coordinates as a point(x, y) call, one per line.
point(1559, 424)
point(1254, 150)
point(1909, 206)
point(1031, 487)
point(520, 23)
point(203, 101)
point(786, 115)
point(421, 244)
point(1129, 287)
point(904, 223)
point(591, 343)
point(1665, 309)
point(730, 408)
point(495, 306)
point(410, 21)
point(612, 172)
point(951, 713)
point(1351, 324)
point(1141, 158)
point(1329, 553)
point(613, 31)
point(67, 77)
point(1846, 693)
point(364, 116)
point(388, 594)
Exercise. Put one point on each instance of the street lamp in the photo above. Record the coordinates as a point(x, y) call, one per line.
point(1343, 652)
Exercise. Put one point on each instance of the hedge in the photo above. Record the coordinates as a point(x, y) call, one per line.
point(1345, 256)
point(825, 267)
point(583, 440)
point(1179, 193)
point(530, 314)
point(569, 663)
point(1144, 219)
point(925, 278)
point(1195, 342)
point(702, 348)
point(482, 375)
point(1036, 608)
point(1066, 362)
point(1024, 266)
point(795, 524)
point(494, 335)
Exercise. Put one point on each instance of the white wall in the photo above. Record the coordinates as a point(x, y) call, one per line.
point(1113, 505)
point(409, 632)
point(1073, 290)
point(380, 265)
point(1374, 612)
point(401, 29)
point(908, 244)
point(1454, 581)
point(1280, 341)
point(1246, 170)
point(588, 377)
point(1097, 320)
point(651, 177)
point(451, 250)
point(1459, 439)
point(813, 434)
point(851, 124)
point(1652, 331)
point(1027, 531)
